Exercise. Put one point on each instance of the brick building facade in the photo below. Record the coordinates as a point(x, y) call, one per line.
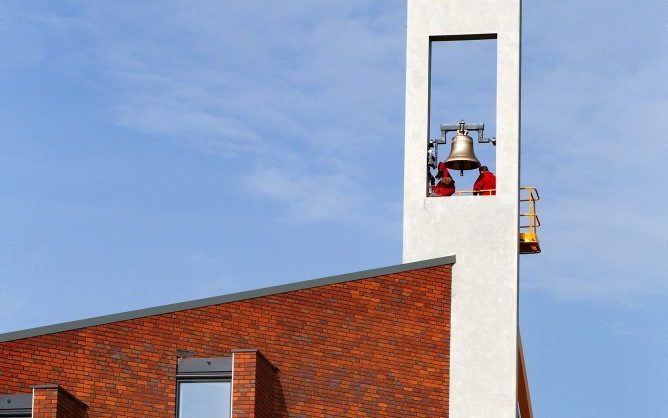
point(367, 344)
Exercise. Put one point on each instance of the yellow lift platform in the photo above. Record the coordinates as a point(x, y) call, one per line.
point(528, 230)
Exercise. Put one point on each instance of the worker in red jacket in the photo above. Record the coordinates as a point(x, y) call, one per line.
point(486, 181)
point(446, 185)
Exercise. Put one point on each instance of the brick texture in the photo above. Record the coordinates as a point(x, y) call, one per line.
point(55, 402)
point(253, 385)
point(243, 385)
point(374, 347)
point(265, 387)
point(45, 403)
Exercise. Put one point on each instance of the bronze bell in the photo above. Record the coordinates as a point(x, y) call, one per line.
point(461, 155)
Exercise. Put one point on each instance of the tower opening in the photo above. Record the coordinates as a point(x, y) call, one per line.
point(461, 155)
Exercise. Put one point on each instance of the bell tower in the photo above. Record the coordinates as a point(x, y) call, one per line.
point(481, 231)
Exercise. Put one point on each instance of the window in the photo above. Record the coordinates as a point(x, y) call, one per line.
point(204, 399)
point(204, 388)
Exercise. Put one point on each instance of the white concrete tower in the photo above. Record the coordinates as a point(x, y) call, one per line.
point(481, 231)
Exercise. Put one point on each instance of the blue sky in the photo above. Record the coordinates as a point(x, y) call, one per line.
point(160, 153)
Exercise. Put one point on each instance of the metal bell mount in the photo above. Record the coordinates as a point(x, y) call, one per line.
point(462, 157)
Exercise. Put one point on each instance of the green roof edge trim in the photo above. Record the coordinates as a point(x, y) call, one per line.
point(218, 300)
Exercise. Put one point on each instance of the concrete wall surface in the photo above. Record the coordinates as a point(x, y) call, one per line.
point(481, 231)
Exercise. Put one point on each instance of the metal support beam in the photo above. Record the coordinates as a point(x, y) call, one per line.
point(523, 396)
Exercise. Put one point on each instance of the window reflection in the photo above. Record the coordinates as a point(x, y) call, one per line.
point(204, 399)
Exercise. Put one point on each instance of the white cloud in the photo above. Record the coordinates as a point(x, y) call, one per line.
point(314, 90)
point(31, 50)
point(594, 99)
point(315, 97)
point(310, 82)
point(313, 87)
point(310, 196)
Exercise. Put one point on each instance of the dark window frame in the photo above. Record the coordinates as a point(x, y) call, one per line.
point(459, 38)
point(202, 370)
point(16, 405)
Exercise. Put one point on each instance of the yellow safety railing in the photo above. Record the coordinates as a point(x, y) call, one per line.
point(475, 192)
point(529, 229)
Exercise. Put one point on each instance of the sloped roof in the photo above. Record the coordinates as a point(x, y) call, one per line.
point(217, 300)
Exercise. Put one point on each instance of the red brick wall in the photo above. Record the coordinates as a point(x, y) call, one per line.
point(45, 403)
point(371, 347)
point(243, 385)
point(265, 387)
point(253, 385)
point(52, 401)
point(69, 406)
